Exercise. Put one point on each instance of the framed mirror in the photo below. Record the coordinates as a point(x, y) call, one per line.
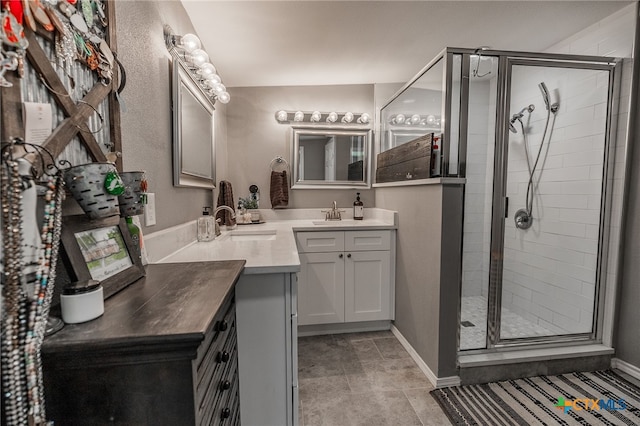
point(193, 132)
point(331, 157)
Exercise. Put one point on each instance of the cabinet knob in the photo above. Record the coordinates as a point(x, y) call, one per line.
point(226, 413)
point(340, 255)
point(349, 255)
point(222, 325)
point(225, 385)
point(223, 356)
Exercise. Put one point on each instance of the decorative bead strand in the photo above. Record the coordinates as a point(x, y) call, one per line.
point(14, 385)
point(33, 370)
point(53, 232)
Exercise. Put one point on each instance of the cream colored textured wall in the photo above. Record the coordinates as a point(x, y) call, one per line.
point(255, 138)
point(147, 121)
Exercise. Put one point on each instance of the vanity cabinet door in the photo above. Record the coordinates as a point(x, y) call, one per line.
point(368, 292)
point(321, 288)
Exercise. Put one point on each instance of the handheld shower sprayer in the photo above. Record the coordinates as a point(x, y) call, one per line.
point(545, 94)
point(553, 107)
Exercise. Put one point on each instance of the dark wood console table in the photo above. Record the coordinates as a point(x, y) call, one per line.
point(163, 353)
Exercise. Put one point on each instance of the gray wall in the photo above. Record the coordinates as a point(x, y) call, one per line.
point(627, 337)
point(146, 124)
point(417, 265)
point(255, 137)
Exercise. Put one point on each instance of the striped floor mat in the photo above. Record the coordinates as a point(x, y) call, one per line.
point(598, 398)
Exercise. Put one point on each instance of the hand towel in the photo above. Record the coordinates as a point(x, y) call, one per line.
point(279, 190)
point(225, 198)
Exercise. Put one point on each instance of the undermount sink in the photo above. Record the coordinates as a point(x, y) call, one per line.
point(333, 222)
point(256, 235)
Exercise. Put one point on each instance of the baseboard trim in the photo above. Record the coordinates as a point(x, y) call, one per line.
point(348, 327)
point(437, 382)
point(625, 367)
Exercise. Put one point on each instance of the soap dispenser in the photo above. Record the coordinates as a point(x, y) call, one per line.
point(358, 208)
point(206, 226)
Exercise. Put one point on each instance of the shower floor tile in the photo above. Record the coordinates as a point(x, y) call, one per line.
point(474, 312)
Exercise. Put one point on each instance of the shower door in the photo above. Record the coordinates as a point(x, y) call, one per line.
point(548, 200)
point(536, 201)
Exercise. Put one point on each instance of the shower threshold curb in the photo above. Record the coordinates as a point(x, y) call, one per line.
point(532, 355)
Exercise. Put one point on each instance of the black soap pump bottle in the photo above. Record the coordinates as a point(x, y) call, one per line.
point(358, 208)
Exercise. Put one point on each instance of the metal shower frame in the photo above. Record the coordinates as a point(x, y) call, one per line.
point(506, 60)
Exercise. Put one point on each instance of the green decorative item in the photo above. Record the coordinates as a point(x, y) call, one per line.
point(113, 184)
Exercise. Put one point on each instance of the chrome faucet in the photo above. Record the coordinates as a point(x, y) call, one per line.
point(334, 213)
point(217, 221)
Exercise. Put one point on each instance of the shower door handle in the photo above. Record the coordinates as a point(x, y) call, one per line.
point(506, 207)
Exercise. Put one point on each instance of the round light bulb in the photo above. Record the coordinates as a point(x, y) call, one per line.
point(348, 117)
point(224, 97)
point(190, 42)
point(400, 118)
point(415, 119)
point(207, 69)
point(298, 116)
point(199, 57)
point(281, 115)
point(364, 118)
point(213, 79)
point(219, 88)
point(431, 119)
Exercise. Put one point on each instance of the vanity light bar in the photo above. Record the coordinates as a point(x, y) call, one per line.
point(429, 120)
point(187, 48)
point(284, 117)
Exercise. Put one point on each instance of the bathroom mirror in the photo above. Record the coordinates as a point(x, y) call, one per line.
point(193, 132)
point(331, 157)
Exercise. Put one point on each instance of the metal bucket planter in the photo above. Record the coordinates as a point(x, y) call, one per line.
point(131, 201)
point(87, 185)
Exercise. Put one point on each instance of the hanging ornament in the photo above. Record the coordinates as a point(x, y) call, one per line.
point(113, 184)
point(11, 32)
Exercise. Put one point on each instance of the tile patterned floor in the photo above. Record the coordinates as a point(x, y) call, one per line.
point(362, 379)
point(474, 310)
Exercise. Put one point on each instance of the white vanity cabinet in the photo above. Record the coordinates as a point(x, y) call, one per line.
point(346, 276)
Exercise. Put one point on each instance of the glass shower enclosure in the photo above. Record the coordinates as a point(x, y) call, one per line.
point(532, 135)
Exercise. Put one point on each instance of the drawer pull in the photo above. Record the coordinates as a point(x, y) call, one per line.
point(226, 413)
point(349, 255)
point(340, 255)
point(226, 385)
point(223, 356)
point(222, 326)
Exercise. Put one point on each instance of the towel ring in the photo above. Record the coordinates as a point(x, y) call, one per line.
point(278, 160)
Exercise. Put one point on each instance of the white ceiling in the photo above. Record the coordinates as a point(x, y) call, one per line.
point(276, 43)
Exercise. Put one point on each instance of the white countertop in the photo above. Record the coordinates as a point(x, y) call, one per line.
point(273, 251)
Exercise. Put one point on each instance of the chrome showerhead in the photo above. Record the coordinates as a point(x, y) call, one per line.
point(517, 116)
point(520, 113)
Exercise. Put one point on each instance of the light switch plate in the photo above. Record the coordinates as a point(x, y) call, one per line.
point(150, 210)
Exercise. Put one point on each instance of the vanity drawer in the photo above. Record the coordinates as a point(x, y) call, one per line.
point(319, 242)
point(367, 240)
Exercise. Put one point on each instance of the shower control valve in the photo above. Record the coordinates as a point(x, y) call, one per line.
point(523, 219)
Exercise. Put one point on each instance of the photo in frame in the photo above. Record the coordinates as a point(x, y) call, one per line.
point(101, 250)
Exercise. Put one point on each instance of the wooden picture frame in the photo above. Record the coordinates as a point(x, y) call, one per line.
point(101, 250)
